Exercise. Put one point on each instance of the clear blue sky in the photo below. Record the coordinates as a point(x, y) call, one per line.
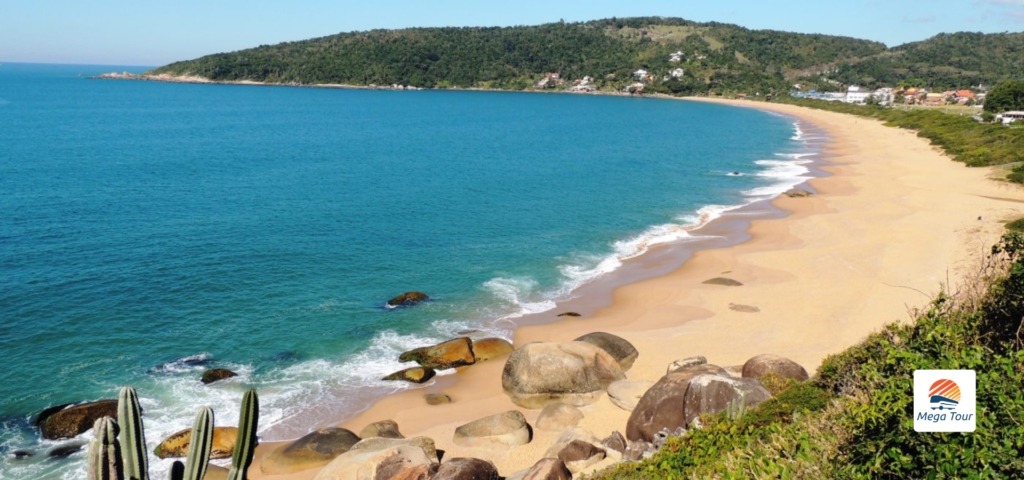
point(155, 32)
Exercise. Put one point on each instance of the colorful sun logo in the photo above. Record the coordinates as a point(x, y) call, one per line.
point(944, 395)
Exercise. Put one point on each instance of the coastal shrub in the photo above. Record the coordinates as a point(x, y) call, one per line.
point(1015, 225)
point(854, 419)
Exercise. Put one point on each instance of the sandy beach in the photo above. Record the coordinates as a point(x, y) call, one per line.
point(894, 222)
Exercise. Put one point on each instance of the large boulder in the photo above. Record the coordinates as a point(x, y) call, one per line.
point(625, 394)
point(503, 431)
point(576, 373)
point(383, 428)
point(457, 352)
point(419, 472)
point(374, 464)
point(490, 348)
point(73, 421)
point(662, 406)
point(314, 450)
point(547, 469)
point(713, 393)
point(414, 375)
point(616, 442)
point(408, 298)
point(762, 365)
point(620, 349)
point(578, 455)
point(216, 374)
point(176, 446)
point(686, 363)
point(466, 469)
point(558, 416)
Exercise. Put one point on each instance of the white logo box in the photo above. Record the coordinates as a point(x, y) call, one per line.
point(942, 415)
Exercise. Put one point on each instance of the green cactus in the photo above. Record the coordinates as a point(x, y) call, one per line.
point(245, 445)
point(132, 438)
point(177, 471)
point(200, 445)
point(105, 451)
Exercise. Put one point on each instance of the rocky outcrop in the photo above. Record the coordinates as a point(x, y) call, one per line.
point(408, 299)
point(558, 416)
point(625, 394)
point(616, 442)
point(457, 352)
point(437, 398)
point(685, 363)
point(176, 446)
point(575, 373)
point(467, 469)
point(73, 421)
point(578, 455)
point(545, 469)
point(383, 428)
point(419, 472)
point(726, 282)
point(762, 365)
point(314, 450)
point(216, 374)
point(713, 393)
point(490, 348)
point(620, 349)
point(414, 375)
point(662, 407)
point(503, 431)
point(374, 464)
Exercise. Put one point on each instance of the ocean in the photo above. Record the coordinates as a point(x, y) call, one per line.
point(149, 231)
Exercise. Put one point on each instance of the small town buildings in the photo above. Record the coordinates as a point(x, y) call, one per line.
point(678, 73)
point(635, 88)
point(934, 99)
point(857, 95)
point(676, 57)
point(639, 74)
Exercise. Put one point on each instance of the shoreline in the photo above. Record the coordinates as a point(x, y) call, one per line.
point(879, 237)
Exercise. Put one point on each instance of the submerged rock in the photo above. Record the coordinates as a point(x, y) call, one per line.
point(437, 398)
point(619, 348)
point(414, 375)
point(503, 431)
point(314, 450)
point(383, 428)
point(66, 450)
point(176, 446)
point(575, 373)
point(407, 299)
point(457, 352)
point(762, 365)
point(728, 282)
point(216, 374)
point(76, 420)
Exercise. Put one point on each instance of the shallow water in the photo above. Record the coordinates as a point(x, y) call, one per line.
point(152, 230)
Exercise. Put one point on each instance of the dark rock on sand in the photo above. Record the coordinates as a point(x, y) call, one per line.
point(407, 299)
point(578, 455)
point(616, 442)
point(620, 349)
point(713, 393)
point(743, 308)
point(569, 314)
point(414, 375)
point(457, 352)
point(576, 373)
point(316, 449)
point(467, 469)
point(548, 469)
point(662, 407)
point(728, 282)
point(437, 398)
point(383, 428)
point(762, 365)
point(798, 193)
point(216, 374)
point(74, 421)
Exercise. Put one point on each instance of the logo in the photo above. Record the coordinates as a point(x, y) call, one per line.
point(944, 401)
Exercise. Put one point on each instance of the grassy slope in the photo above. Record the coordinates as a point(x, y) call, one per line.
point(854, 419)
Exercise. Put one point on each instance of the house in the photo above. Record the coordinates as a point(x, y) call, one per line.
point(550, 80)
point(934, 99)
point(676, 57)
point(964, 96)
point(857, 95)
point(884, 96)
point(640, 74)
point(678, 73)
point(635, 88)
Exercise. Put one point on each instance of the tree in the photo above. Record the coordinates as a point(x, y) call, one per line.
point(1006, 96)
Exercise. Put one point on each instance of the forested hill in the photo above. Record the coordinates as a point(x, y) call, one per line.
point(715, 56)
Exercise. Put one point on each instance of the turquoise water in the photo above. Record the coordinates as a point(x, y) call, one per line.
point(152, 230)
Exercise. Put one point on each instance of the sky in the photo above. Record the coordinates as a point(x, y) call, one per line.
point(156, 32)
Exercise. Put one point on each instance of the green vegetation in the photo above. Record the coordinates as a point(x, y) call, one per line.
point(854, 419)
point(1006, 96)
point(1015, 225)
point(973, 143)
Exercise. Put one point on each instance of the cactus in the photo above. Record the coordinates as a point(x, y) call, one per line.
point(105, 452)
point(177, 471)
point(132, 437)
point(245, 445)
point(200, 445)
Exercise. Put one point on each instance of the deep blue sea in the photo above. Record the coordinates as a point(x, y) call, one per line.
point(149, 231)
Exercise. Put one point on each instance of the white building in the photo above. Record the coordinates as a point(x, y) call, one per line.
point(858, 95)
point(883, 96)
point(640, 74)
point(1009, 117)
point(678, 73)
point(676, 57)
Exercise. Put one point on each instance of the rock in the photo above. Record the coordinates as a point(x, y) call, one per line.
point(569, 314)
point(579, 455)
point(576, 433)
point(414, 375)
point(635, 451)
point(215, 374)
point(457, 352)
point(735, 371)
point(490, 348)
point(22, 454)
point(437, 398)
point(313, 450)
point(620, 349)
point(214, 472)
point(408, 299)
point(574, 373)
point(764, 364)
point(713, 393)
point(798, 193)
point(176, 446)
point(76, 420)
point(546, 469)
point(744, 308)
point(558, 416)
point(66, 450)
point(685, 363)
point(625, 394)
point(419, 472)
point(616, 442)
point(376, 464)
point(383, 428)
point(502, 431)
point(662, 406)
point(380, 443)
point(467, 469)
point(727, 282)
point(47, 413)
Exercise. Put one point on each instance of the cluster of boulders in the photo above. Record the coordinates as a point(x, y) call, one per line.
point(454, 353)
